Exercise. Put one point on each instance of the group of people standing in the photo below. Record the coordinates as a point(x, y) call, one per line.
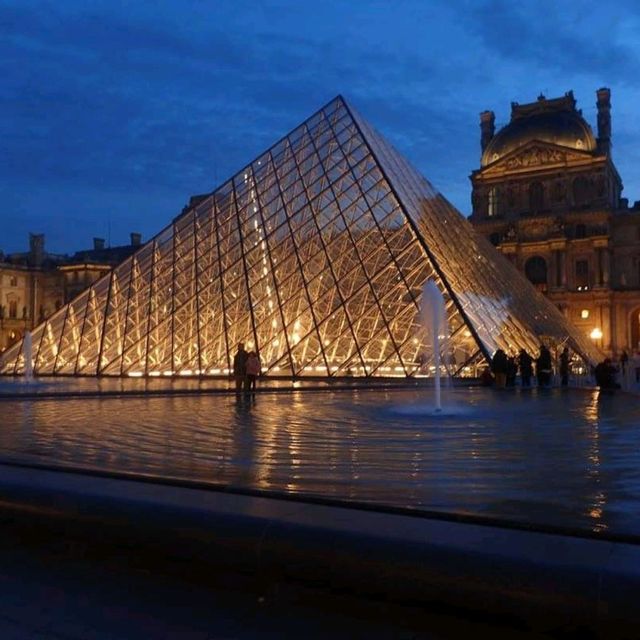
point(246, 369)
point(504, 369)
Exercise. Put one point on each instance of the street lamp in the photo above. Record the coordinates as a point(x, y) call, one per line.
point(596, 334)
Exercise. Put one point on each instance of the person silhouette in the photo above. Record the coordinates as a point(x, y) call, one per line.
point(564, 367)
point(253, 370)
point(499, 366)
point(525, 361)
point(240, 367)
point(543, 367)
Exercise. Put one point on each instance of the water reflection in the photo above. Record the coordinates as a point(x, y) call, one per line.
point(595, 507)
point(557, 458)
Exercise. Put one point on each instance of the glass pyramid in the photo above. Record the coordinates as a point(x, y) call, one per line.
point(315, 254)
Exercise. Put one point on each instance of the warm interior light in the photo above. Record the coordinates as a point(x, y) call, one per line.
point(584, 314)
point(596, 334)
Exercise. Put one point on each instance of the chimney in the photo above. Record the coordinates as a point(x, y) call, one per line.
point(135, 239)
point(98, 244)
point(487, 128)
point(604, 120)
point(36, 249)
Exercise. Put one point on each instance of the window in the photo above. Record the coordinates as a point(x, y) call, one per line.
point(581, 231)
point(582, 275)
point(536, 271)
point(557, 192)
point(580, 191)
point(13, 308)
point(494, 238)
point(13, 281)
point(536, 197)
point(493, 202)
point(584, 314)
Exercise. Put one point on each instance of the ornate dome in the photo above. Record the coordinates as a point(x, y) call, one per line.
point(555, 121)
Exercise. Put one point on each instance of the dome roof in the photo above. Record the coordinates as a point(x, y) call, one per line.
point(564, 127)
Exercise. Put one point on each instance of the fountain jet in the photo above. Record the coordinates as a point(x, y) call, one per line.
point(434, 323)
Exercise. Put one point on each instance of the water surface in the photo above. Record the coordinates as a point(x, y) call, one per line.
point(562, 457)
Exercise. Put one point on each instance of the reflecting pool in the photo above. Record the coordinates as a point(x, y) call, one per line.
point(568, 458)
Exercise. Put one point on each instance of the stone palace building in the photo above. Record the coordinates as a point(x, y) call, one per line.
point(548, 196)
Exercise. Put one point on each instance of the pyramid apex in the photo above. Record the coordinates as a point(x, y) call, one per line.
point(340, 99)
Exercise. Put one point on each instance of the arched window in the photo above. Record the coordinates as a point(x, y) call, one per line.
point(535, 269)
point(557, 192)
point(536, 197)
point(13, 308)
point(582, 275)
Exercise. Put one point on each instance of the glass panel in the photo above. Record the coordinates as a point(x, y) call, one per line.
point(316, 254)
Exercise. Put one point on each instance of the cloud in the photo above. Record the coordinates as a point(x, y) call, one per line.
point(116, 103)
point(558, 38)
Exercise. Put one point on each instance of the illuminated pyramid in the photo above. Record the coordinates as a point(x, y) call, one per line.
point(315, 254)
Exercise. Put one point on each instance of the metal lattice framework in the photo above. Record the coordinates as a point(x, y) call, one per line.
point(315, 254)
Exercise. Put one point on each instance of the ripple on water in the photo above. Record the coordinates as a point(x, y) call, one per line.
point(559, 458)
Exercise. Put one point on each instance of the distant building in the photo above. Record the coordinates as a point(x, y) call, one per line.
point(35, 283)
point(548, 195)
point(83, 268)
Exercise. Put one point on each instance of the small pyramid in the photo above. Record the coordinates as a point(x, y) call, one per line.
point(315, 254)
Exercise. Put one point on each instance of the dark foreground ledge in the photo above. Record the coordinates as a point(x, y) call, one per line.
point(541, 580)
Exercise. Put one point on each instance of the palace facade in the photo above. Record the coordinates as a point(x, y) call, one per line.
point(35, 283)
point(548, 196)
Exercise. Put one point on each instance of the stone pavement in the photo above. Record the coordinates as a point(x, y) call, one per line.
point(56, 590)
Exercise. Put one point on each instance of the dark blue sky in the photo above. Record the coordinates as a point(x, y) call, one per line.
point(112, 113)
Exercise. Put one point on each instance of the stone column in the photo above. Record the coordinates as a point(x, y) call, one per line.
point(557, 259)
point(606, 266)
point(605, 312)
point(558, 273)
point(563, 269)
point(601, 248)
